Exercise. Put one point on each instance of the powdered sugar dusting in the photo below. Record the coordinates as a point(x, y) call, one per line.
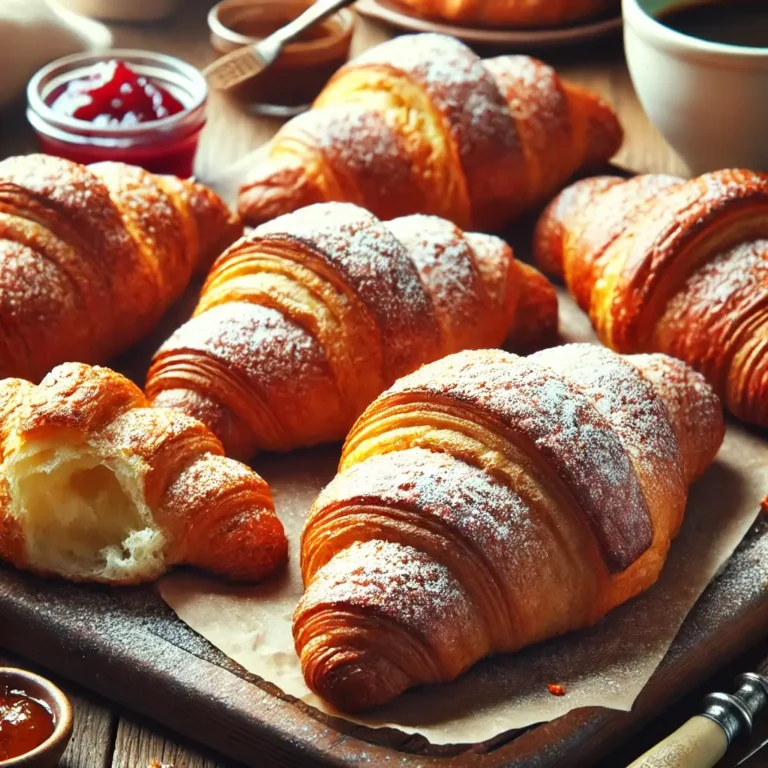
point(269, 351)
point(525, 562)
point(377, 268)
point(152, 219)
point(637, 413)
point(370, 163)
point(459, 87)
point(672, 219)
point(447, 270)
point(715, 304)
point(33, 287)
point(75, 200)
point(562, 422)
point(400, 583)
point(624, 398)
point(694, 410)
point(539, 105)
point(358, 140)
point(722, 282)
point(209, 478)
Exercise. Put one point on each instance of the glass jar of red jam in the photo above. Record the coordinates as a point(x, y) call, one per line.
point(137, 107)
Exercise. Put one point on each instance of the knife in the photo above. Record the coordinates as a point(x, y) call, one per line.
point(757, 749)
point(705, 738)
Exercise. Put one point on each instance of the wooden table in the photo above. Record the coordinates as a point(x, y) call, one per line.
point(103, 735)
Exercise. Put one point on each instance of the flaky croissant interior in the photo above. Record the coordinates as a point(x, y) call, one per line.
point(59, 494)
point(95, 485)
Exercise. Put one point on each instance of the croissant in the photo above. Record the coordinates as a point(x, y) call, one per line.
point(661, 264)
point(91, 257)
point(302, 323)
point(95, 485)
point(510, 13)
point(420, 124)
point(490, 501)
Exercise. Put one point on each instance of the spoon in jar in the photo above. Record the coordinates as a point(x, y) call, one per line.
point(250, 60)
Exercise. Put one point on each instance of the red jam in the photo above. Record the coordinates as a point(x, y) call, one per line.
point(113, 94)
point(25, 724)
point(120, 110)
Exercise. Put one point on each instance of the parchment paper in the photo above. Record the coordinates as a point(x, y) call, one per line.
point(607, 665)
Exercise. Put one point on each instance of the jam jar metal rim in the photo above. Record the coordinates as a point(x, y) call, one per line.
point(71, 128)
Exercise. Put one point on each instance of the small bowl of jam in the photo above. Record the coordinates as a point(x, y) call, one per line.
point(290, 85)
point(137, 107)
point(35, 720)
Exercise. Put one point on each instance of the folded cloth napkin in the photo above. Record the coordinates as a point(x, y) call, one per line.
point(35, 32)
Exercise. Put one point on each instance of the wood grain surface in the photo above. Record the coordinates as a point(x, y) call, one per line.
point(106, 735)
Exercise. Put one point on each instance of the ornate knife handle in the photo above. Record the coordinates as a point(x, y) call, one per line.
point(704, 739)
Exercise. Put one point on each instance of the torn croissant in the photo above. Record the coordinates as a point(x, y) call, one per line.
point(98, 486)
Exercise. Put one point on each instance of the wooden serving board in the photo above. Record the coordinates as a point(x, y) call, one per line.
point(128, 646)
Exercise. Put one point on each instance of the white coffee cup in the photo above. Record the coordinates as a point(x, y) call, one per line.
point(708, 100)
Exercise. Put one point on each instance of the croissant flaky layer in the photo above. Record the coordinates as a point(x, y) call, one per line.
point(420, 124)
point(302, 323)
point(489, 501)
point(662, 264)
point(91, 257)
point(511, 13)
point(95, 485)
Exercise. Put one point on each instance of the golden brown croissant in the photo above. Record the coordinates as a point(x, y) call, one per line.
point(420, 124)
point(490, 501)
point(302, 323)
point(98, 486)
point(671, 266)
point(511, 13)
point(91, 257)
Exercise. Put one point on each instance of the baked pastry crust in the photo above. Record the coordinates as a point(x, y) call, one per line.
point(510, 13)
point(681, 267)
point(421, 124)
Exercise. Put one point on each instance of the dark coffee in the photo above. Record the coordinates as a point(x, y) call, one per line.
point(734, 22)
